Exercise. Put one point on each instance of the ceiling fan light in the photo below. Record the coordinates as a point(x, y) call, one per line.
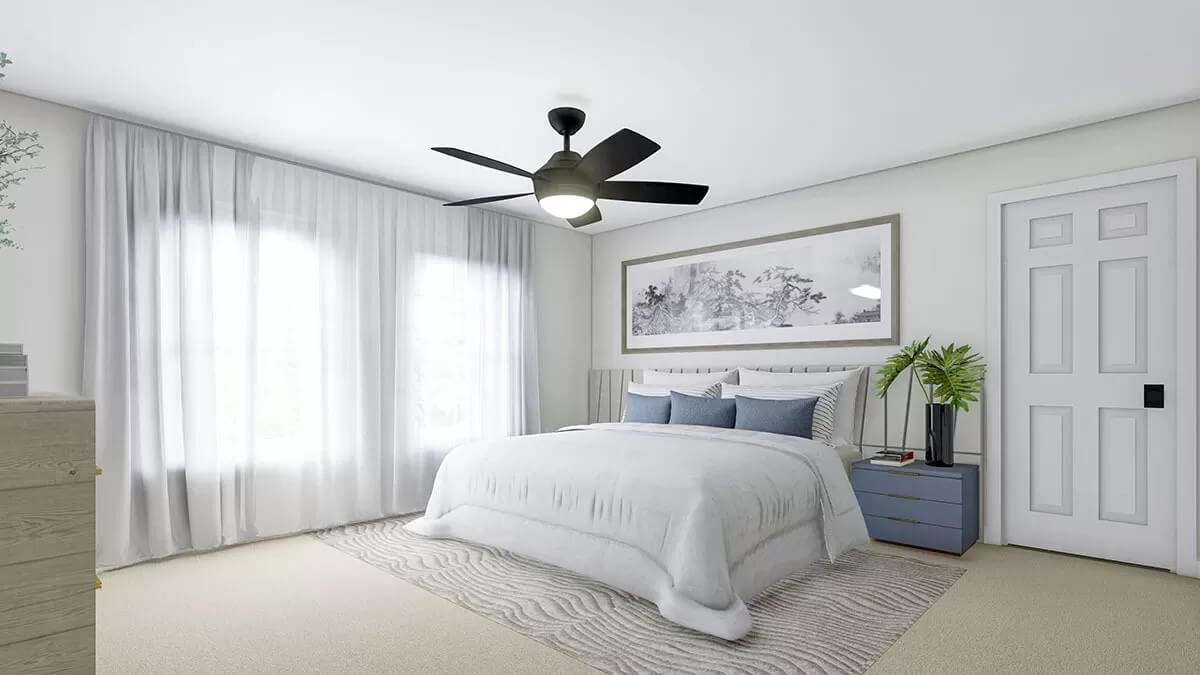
point(566, 205)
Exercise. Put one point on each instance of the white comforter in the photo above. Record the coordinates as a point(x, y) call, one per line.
point(696, 519)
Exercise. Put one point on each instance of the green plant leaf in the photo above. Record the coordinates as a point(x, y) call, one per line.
point(955, 373)
point(899, 362)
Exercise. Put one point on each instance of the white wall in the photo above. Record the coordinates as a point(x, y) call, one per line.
point(942, 205)
point(41, 286)
point(563, 277)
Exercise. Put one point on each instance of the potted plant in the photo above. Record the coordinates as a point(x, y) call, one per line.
point(950, 377)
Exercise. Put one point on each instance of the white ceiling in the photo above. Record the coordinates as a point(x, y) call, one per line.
point(750, 97)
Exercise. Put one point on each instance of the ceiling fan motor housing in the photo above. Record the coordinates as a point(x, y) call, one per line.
point(559, 176)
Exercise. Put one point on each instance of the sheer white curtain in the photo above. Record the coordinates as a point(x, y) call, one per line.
point(275, 349)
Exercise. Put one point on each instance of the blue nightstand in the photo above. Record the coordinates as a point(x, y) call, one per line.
point(933, 507)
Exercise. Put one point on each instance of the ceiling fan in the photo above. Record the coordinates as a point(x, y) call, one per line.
point(568, 185)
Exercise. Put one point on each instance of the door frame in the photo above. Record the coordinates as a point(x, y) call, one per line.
point(1187, 548)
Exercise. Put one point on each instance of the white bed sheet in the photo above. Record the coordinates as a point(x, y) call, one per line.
point(698, 520)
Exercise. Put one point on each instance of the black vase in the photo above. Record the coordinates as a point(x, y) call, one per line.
point(939, 434)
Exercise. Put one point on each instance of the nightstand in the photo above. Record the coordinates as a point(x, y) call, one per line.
point(935, 507)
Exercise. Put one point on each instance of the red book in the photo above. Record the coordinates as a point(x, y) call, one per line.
point(892, 461)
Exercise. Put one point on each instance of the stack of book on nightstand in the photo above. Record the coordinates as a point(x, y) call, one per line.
point(893, 458)
point(14, 371)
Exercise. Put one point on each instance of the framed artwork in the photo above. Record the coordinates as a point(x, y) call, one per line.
point(831, 286)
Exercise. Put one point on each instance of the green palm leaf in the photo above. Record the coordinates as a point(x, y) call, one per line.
point(897, 363)
point(955, 373)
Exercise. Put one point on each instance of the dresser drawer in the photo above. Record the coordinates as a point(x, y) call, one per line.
point(47, 522)
point(47, 448)
point(41, 597)
point(908, 484)
point(73, 651)
point(923, 510)
point(915, 534)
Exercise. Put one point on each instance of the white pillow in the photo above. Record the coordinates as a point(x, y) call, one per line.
point(824, 414)
point(843, 425)
point(659, 377)
point(705, 390)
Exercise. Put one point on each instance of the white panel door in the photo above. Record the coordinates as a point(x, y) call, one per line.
point(1089, 298)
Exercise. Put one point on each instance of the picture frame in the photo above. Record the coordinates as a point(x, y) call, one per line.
point(831, 286)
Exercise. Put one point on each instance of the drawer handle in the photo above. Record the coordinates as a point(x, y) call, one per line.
point(904, 520)
point(893, 494)
point(903, 473)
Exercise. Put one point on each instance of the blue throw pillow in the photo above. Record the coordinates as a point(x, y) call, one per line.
point(652, 409)
point(791, 417)
point(709, 412)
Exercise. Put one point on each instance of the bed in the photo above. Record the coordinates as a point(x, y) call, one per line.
point(696, 519)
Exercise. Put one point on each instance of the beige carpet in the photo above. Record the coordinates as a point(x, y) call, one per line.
point(1019, 610)
point(295, 605)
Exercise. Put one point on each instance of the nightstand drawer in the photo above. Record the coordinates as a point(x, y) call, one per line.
point(907, 483)
point(925, 511)
point(915, 534)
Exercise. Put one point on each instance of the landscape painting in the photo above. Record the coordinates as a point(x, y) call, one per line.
point(821, 287)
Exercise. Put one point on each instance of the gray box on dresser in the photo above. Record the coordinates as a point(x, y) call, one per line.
point(47, 535)
point(935, 507)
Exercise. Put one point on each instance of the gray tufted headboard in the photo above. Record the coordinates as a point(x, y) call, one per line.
point(878, 421)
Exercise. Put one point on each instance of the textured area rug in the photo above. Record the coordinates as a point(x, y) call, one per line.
point(830, 618)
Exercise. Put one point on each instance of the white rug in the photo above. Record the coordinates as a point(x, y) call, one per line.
point(828, 619)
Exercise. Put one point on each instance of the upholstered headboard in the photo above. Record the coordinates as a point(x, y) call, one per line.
point(879, 421)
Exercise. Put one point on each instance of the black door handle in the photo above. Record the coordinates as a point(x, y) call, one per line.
point(1153, 396)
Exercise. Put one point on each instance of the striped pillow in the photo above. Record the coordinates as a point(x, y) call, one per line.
point(824, 415)
point(843, 425)
point(709, 390)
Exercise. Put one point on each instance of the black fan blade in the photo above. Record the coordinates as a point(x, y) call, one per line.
point(484, 200)
point(652, 191)
point(483, 161)
point(615, 154)
point(592, 216)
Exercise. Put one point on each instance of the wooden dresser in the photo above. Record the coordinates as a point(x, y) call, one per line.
point(47, 535)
